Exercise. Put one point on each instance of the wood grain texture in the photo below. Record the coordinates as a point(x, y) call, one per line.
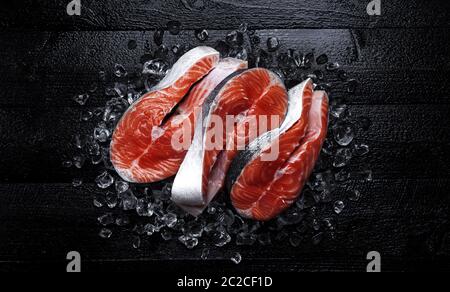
point(410, 141)
point(47, 69)
point(58, 218)
point(220, 14)
point(400, 59)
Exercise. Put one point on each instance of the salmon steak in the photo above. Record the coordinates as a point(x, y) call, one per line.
point(141, 147)
point(247, 97)
point(263, 188)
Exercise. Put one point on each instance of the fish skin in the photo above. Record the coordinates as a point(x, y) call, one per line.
point(252, 92)
point(300, 99)
point(132, 147)
point(262, 197)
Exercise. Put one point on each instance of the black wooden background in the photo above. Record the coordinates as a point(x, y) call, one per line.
point(401, 59)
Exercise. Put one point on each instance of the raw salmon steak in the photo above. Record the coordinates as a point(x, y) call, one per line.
point(141, 149)
point(262, 189)
point(246, 96)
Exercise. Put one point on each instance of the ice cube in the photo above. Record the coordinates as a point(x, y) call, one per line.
point(77, 182)
point(136, 241)
point(202, 35)
point(306, 200)
point(106, 219)
point(149, 229)
point(352, 86)
point(178, 50)
point(120, 89)
point(139, 229)
point(360, 150)
point(93, 148)
point(166, 235)
point(188, 241)
point(221, 237)
point(122, 220)
point(99, 201)
point(329, 224)
point(193, 229)
point(342, 157)
point(170, 220)
point(239, 53)
point(211, 210)
point(67, 164)
point(339, 111)
point(291, 217)
point(243, 27)
point(102, 75)
point(273, 44)
point(342, 74)
point(226, 218)
point(332, 66)
point(315, 224)
point(111, 200)
point(128, 201)
point(158, 36)
point(119, 70)
point(122, 186)
point(102, 133)
point(344, 134)
point(328, 147)
point(325, 196)
point(236, 258)
point(155, 67)
point(304, 61)
point(205, 253)
point(354, 195)
point(105, 233)
point(339, 207)
point(104, 180)
point(342, 176)
point(317, 239)
point(319, 74)
point(86, 116)
point(81, 99)
point(144, 208)
point(235, 38)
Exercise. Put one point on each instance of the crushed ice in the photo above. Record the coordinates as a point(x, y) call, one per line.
point(146, 210)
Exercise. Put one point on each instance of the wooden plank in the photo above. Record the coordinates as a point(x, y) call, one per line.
point(220, 14)
point(410, 141)
point(405, 220)
point(393, 66)
point(376, 87)
point(374, 48)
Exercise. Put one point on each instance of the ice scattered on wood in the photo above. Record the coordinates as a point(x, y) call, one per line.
point(146, 210)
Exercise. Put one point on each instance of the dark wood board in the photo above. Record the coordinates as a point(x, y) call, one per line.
point(416, 147)
point(391, 65)
point(221, 14)
point(400, 58)
point(61, 219)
